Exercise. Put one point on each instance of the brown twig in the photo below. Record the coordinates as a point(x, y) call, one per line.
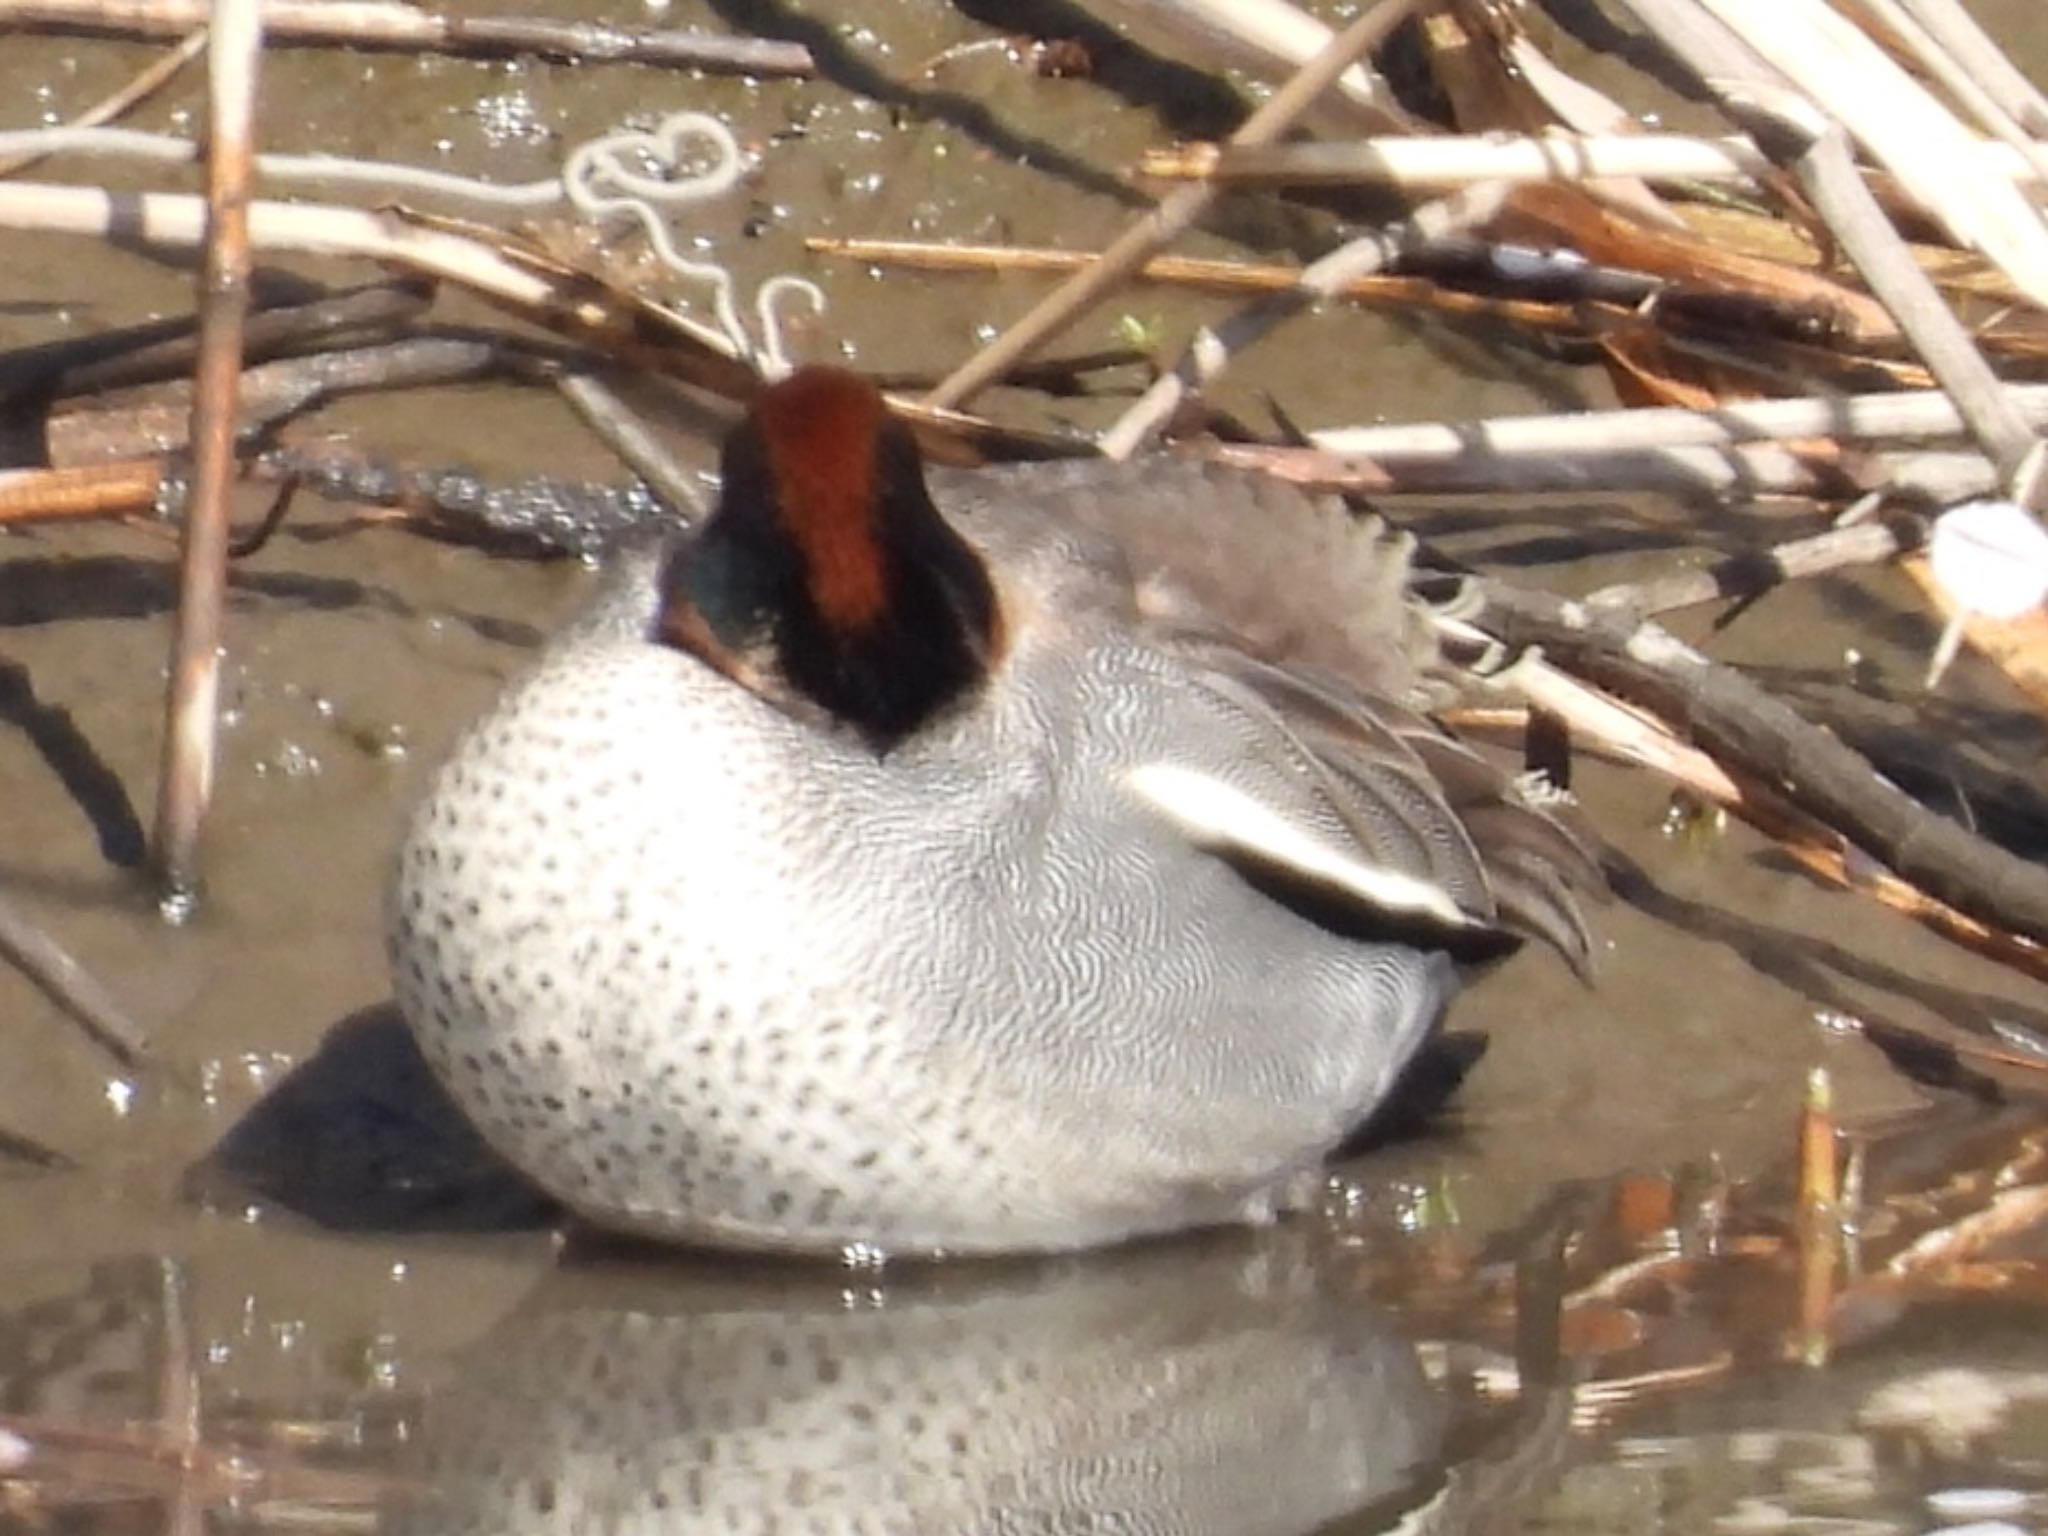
point(1173, 215)
point(369, 24)
point(185, 783)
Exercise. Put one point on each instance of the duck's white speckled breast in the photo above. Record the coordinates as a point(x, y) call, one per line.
point(708, 972)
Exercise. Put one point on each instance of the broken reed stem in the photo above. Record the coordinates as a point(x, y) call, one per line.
point(1746, 575)
point(1212, 349)
point(368, 24)
point(1960, 83)
point(186, 781)
point(146, 83)
point(1170, 218)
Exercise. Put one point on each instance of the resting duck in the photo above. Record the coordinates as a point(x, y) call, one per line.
point(998, 860)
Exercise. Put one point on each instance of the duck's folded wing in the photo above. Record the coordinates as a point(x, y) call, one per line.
point(1363, 815)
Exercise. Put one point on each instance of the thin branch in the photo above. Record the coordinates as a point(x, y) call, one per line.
point(559, 299)
point(1741, 471)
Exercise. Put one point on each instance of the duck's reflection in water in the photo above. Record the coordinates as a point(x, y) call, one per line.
point(1203, 1386)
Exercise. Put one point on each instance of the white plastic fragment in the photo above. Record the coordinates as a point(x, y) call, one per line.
point(1990, 558)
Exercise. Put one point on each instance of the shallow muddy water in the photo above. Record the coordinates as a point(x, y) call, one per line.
point(181, 1351)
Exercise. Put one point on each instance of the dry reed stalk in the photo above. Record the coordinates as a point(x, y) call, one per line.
point(1834, 64)
point(1743, 471)
point(1819, 1225)
point(185, 783)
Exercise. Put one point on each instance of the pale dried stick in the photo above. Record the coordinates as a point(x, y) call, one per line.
point(1454, 160)
point(148, 81)
point(1212, 348)
point(371, 24)
point(1174, 214)
point(1920, 413)
point(185, 783)
point(622, 430)
point(1802, 140)
point(1744, 575)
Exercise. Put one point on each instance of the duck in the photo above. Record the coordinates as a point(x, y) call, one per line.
point(931, 861)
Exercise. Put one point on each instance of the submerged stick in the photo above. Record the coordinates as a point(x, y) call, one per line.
point(185, 783)
point(71, 987)
point(370, 24)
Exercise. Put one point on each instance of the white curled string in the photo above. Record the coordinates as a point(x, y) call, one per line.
point(597, 179)
point(600, 183)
